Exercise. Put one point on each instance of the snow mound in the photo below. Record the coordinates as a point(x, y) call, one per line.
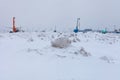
point(61, 42)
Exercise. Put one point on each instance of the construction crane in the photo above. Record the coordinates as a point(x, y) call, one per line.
point(14, 27)
point(77, 26)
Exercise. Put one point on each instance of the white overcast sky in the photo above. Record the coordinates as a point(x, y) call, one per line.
point(62, 13)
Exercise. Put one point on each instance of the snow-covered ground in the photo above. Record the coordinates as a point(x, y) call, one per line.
point(30, 56)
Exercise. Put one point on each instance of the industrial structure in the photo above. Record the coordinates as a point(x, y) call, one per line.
point(14, 27)
point(77, 29)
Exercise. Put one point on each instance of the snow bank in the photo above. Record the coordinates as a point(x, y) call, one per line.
point(61, 42)
point(30, 56)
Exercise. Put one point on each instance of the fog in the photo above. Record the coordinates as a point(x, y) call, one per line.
point(60, 13)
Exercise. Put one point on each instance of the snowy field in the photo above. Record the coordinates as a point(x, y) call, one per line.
point(30, 56)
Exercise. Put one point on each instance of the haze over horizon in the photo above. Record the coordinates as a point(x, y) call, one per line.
point(60, 13)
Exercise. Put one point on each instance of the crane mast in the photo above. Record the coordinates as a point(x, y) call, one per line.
point(14, 27)
point(77, 29)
